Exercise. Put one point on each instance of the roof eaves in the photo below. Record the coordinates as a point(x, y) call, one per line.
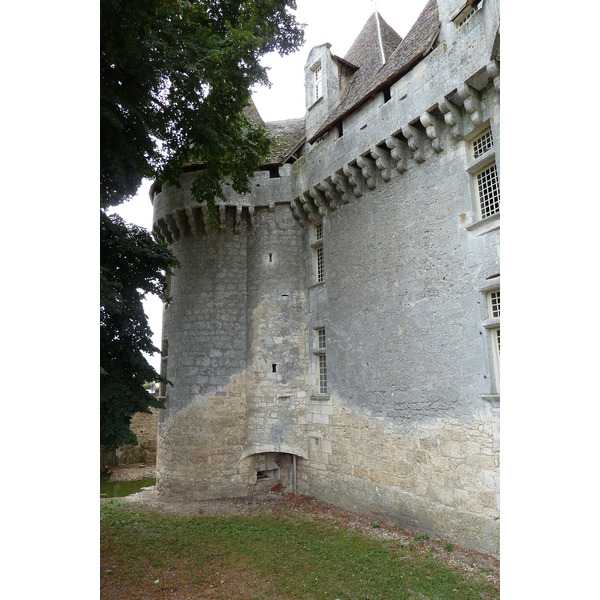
point(344, 61)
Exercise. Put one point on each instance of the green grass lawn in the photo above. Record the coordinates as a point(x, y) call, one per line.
point(148, 555)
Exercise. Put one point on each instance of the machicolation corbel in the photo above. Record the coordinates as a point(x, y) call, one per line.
point(309, 208)
point(318, 199)
point(415, 142)
point(433, 130)
point(331, 194)
point(172, 227)
point(297, 211)
point(472, 102)
point(222, 217)
point(191, 221)
point(353, 175)
point(205, 217)
point(397, 152)
point(340, 181)
point(238, 219)
point(493, 70)
point(383, 162)
point(452, 117)
point(368, 171)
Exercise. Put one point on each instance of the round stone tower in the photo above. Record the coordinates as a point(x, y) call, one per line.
point(233, 341)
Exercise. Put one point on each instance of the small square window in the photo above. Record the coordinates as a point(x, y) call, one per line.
point(483, 143)
point(321, 341)
point(494, 300)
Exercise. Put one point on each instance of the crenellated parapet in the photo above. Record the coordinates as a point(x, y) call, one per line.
point(177, 215)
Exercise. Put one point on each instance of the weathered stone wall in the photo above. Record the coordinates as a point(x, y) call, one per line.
point(406, 431)
point(201, 429)
point(408, 428)
point(145, 427)
point(276, 336)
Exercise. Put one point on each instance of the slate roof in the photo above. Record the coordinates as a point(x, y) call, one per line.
point(371, 75)
point(252, 114)
point(288, 136)
point(365, 51)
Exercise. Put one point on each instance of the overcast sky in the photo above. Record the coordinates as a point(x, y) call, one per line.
point(335, 21)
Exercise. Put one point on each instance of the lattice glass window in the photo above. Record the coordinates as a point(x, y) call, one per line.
point(321, 338)
point(488, 188)
point(322, 374)
point(494, 331)
point(465, 18)
point(494, 300)
point(320, 265)
point(483, 143)
point(318, 82)
point(319, 231)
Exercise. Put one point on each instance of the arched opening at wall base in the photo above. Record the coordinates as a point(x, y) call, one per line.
point(273, 471)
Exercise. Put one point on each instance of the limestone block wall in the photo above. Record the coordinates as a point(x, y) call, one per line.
point(145, 428)
point(276, 333)
point(201, 429)
point(408, 427)
point(405, 431)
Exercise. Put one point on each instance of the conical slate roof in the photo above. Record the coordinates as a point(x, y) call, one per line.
point(374, 44)
point(252, 114)
point(372, 75)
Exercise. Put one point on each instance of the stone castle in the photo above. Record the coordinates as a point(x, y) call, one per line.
point(339, 335)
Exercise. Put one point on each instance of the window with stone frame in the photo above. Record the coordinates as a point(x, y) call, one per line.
point(494, 312)
point(317, 82)
point(491, 324)
point(321, 360)
point(465, 15)
point(484, 175)
point(318, 253)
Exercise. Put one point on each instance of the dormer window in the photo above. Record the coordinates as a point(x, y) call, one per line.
point(462, 17)
point(317, 82)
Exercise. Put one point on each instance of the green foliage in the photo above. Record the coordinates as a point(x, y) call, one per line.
point(268, 557)
point(132, 265)
point(175, 80)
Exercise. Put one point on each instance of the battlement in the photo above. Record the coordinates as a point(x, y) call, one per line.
point(177, 215)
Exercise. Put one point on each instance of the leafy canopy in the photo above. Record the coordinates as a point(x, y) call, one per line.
point(175, 81)
point(132, 266)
